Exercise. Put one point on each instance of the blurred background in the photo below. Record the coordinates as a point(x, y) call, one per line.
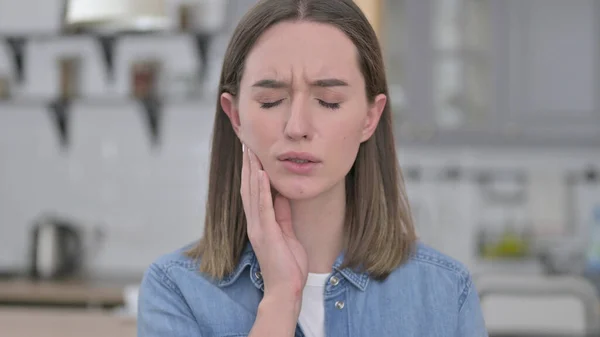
point(106, 112)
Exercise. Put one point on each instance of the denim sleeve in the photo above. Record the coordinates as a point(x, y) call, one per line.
point(470, 317)
point(162, 311)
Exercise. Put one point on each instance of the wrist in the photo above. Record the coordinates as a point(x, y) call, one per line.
point(281, 304)
point(276, 317)
point(285, 292)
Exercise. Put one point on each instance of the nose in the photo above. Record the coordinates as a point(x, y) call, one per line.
point(298, 125)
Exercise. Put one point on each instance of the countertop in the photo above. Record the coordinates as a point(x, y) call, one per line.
point(75, 292)
point(19, 322)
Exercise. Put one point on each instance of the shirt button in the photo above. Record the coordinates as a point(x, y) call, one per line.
point(334, 281)
point(258, 275)
point(339, 305)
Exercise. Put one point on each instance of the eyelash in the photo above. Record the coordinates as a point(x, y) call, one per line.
point(269, 105)
point(332, 106)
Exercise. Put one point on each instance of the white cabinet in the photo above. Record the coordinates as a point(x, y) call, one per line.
point(553, 62)
point(495, 72)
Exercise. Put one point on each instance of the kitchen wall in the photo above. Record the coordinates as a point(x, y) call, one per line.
point(147, 200)
point(150, 200)
point(553, 200)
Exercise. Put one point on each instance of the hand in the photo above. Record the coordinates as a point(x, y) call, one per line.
point(283, 260)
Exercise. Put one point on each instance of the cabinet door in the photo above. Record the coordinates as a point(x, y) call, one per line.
point(462, 63)
point(553, 74)
point(446, 52)
point(495, 72)
point(407, 44)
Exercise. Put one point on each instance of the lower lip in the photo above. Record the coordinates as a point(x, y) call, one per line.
point(299, 168)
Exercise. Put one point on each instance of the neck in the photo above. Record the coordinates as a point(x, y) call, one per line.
point(319, 225)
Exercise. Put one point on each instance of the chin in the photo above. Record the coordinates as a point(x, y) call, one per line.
point(298, 188)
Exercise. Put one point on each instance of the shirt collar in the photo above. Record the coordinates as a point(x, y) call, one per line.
point(357, 278)
point(248, 259)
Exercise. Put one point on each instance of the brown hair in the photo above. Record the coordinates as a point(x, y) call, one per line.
point(379, 229)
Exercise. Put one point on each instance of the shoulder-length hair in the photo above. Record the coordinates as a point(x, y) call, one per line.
point(379, 233)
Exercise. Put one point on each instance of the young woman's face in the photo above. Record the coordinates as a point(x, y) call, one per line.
point(302, 107)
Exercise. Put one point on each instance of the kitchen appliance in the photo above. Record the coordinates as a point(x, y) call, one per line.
point(56, 248)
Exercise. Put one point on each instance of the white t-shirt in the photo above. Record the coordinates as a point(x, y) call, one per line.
point(312, 313)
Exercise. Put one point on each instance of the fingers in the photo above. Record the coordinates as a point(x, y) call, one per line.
point(255, 167)
point(245, 183)
point(266, 214)
point(245, 192)
point(283, 215)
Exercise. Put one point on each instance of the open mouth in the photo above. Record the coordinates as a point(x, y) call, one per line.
point(298, 157)
point(302, 163)
point(299, 161)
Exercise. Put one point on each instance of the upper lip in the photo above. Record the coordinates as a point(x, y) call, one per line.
point(298, 156)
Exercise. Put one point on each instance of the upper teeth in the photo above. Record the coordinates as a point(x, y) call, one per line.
point(299, 161)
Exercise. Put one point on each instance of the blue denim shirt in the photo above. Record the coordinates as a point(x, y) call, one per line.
point(431, 295)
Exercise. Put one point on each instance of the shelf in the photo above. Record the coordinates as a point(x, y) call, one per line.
point(107, 101)
point(106, 43)
point(60, 110)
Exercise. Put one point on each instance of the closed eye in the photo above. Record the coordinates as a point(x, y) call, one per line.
point(268, 105)
point(332, 106)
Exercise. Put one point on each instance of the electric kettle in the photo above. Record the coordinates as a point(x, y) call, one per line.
point(56, 248)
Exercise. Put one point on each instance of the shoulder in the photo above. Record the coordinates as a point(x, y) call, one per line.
point(431, 271)
point(170, 271)
point(175, 292)
point(431, 259)
point(177, 258)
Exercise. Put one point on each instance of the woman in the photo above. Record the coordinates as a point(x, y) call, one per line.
point(308, 230)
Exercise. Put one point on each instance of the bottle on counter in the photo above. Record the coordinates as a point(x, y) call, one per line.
point(594, 248)
point(589, 212)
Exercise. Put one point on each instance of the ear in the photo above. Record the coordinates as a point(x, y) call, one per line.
point(228, 103)
point(373, 116)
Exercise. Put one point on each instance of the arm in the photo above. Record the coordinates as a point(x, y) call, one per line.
point(162, 311)
point(470, 316)
point(276, 317)
point(284, 260)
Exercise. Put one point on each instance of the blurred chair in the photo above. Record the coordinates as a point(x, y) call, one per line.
point(539, 304)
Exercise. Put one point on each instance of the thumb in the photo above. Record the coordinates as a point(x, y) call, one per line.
point(283, 215)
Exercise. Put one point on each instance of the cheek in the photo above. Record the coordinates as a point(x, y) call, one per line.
point(349, 132)
point(250, 125)
point(257, 133)
point(346, 144)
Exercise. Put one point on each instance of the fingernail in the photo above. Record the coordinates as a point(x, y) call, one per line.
point(243, 147)
point(261, 175)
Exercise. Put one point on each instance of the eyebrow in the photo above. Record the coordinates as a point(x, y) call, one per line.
point(324, 83)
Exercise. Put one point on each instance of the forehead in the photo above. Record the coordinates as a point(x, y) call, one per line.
point(303, 48)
